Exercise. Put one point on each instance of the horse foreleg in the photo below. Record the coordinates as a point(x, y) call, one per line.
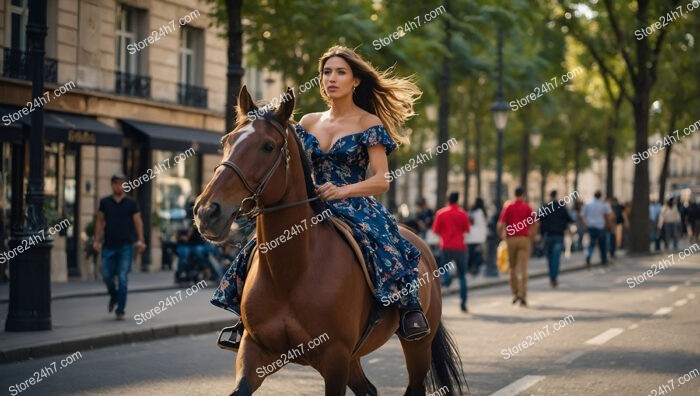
point(335, 369)
point(417, 355)
point(358, 381)
point(250, 367)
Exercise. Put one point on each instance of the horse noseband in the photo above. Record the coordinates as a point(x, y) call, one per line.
point(257, 192)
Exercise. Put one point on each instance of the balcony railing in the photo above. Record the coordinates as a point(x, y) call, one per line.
point(190, 95)
point(132, 85)
point(15, 64)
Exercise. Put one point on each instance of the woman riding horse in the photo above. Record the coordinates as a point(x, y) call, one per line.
point(377, 105)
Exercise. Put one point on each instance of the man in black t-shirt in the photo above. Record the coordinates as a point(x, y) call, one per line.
point(120, 220)
point(553, 224)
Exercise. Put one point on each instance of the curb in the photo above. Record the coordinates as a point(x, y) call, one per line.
point(168, 331)
point(106, 340)
point(104, 293)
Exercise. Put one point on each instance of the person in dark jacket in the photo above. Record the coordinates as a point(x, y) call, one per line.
point(555, 221)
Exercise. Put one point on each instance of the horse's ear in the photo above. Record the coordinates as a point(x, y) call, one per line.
point(245, 103)
point(286, 108)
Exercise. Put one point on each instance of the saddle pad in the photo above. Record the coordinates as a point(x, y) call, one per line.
point(346, 232)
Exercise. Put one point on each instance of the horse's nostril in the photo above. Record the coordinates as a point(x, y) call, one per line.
point(214, 210)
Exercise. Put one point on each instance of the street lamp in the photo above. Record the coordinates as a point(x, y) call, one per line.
point(499, 110)
point(30, 272)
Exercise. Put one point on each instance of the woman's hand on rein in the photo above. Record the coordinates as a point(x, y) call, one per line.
point(330, 191)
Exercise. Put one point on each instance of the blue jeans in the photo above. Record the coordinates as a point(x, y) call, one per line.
point(117, 262)
point(612, 243)
point(599, 236)
point(201, 253)
point(459, 257)
point(553, 246)
point(670, 231)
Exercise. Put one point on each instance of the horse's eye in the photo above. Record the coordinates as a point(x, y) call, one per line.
point(268, 147)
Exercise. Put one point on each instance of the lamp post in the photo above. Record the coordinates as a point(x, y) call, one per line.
point(30, 271)
point(499, 110)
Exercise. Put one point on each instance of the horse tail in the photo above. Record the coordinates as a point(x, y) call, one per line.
point(446, 373)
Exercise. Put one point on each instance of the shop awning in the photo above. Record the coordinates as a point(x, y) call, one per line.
point(174, 138)
point(59, 127)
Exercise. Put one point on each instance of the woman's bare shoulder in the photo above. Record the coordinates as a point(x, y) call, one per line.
point(309, 120)
point(368, 120)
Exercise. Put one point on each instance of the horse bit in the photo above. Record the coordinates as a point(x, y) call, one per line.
point(257, 192)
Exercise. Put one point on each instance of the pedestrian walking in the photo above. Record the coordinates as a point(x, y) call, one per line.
point(451, 223)
point(119, 221)
point(553, 226)
point(669, 223)
point(517, 224)
point(477, 236)
point(614, 226)
point(424, 218)
point(577, 245)
point(694, 221)
point(655, 232)
point(595, 214)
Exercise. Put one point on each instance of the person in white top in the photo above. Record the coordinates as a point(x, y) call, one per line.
point(669, 222)
point(476, 238)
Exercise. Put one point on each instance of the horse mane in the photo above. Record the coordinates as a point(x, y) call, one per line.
point(317, 206)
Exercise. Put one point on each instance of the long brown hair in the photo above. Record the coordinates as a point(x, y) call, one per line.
point(379, 92)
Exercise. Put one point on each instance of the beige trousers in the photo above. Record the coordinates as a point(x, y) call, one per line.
point(519, 249)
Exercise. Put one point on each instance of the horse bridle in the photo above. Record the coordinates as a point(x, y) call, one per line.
point(256, 196)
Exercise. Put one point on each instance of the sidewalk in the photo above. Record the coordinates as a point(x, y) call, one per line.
point(81, 321)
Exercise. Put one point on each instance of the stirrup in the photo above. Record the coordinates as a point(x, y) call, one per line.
point(230, 337)
point(415, 331)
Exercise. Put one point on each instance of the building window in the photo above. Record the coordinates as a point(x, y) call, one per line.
point(129, 70)
point(14, 60)
point(190, 90)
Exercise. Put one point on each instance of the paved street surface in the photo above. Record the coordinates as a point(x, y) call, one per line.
point(604, 338)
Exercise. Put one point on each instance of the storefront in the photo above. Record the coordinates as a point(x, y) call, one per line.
point(64, 180)
point(165, 165)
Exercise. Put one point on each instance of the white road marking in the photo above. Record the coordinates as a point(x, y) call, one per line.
point(633, 326)
point(570, 357)
point(680, 302)
point(662, 311)
point(519, 385)
point(605, 336)
point(673, 288)
point(374, 360)
point(691, 296)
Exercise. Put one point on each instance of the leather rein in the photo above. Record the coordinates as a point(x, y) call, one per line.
point(256, 193)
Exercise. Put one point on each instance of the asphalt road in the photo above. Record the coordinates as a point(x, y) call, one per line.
point(594, 335)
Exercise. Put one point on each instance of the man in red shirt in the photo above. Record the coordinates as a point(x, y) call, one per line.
point(451, 223)
point(518, 223)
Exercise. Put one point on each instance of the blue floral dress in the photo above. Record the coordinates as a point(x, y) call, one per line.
point(392, 259)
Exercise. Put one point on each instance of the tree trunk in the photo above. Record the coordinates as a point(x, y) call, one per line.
point(524, 158)
point(543, 185)
point(467, 173)
point(667, 159)
point(610, 159)
point(577, 160)
point(234, 74)
point(610, 155)
point(477, 154)
point(443, 161)
point(421, 169)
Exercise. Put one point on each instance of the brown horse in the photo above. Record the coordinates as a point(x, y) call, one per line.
point(310, 284)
